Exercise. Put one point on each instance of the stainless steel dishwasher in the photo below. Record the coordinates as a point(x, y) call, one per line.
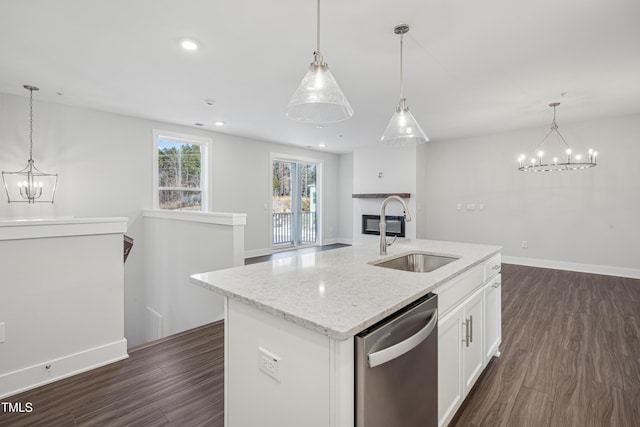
point(397, 368)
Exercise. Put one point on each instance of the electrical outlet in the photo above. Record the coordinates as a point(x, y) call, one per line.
point(471, 206)
point(524, 244)
point(1, 332)
point(269, 363)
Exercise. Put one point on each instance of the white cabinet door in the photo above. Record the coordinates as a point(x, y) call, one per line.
point(450, 394)
point(473, 329)
point(493, 317)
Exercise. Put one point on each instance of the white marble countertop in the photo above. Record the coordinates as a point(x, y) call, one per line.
point(336, 292)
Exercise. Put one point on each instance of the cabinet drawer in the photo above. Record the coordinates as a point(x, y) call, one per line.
point(492, 267)
point(457, 289)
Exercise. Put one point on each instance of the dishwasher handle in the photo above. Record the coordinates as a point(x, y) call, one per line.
point(397, 350)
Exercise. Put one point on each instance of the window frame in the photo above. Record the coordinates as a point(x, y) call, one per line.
point(182, 138)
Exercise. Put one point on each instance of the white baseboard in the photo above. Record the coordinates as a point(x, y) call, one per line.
point(334, 240)
point(573, 266)
point(37, 375)
point(257, 252)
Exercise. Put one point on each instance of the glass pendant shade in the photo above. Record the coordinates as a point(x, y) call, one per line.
point(403, 129)
point(318, 98)
point(30, 185)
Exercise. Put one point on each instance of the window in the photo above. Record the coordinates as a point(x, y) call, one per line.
point(180, 172)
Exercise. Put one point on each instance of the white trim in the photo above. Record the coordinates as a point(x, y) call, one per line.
point(574, 266)
point(221, 218)
point(16, 229)
point(37, 375)
point(206, 145)
point(334, 240)
point(257, 252)
point(226, 364)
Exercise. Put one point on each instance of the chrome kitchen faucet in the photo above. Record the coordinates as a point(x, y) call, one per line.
point(383, 222)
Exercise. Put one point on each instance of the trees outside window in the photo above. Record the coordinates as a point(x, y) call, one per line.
point(181, 171)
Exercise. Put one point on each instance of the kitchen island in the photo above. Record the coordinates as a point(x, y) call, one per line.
point(290, 323)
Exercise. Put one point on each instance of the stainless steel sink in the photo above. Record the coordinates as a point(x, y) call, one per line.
point(418, 262)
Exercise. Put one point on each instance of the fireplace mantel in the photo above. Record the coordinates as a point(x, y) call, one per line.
point(380, 195)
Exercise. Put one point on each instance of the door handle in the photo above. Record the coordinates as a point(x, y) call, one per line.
point(397, 350)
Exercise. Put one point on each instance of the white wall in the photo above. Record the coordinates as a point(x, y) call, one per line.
point(177, 246)
point(422, 191)
point(398, 168)
point(575, 219)
point(61, 300)
point(242, 183)
point(345, 203)
point(105, 165)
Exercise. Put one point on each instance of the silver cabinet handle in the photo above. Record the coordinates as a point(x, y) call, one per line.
point(397, 350)
point(466, 332)
point(471, 329)
point(496, 267)
point(496, 284)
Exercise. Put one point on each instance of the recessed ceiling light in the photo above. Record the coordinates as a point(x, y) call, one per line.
point(220, 123)
point(210, 102)
point(189, 44)
point(322, 145)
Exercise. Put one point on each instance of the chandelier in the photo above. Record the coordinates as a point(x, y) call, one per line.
point(30, 185)
point(403, 129)
point(554, 154)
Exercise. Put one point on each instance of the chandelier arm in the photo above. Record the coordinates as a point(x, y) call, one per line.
point(544, 140)
point(561, 137)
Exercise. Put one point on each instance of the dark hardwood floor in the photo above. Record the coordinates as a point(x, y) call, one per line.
point(570, 357)
point(178, 381)
point(570, 353)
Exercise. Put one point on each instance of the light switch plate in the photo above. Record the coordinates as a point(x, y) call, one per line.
point(1, 332)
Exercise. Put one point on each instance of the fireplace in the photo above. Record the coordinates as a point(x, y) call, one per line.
point(395, 225)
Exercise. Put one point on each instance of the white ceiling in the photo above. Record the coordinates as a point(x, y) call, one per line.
point(471, 67)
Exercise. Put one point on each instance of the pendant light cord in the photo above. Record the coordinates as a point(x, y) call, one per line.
point(401, 71)
point(30, 125)
point(318, 30)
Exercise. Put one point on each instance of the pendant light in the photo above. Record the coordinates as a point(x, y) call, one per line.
point(30, 185)
point(318, 99)
point(403, 129)
point(554, 154)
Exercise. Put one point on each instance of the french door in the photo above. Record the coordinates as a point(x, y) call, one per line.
point(294, 203)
